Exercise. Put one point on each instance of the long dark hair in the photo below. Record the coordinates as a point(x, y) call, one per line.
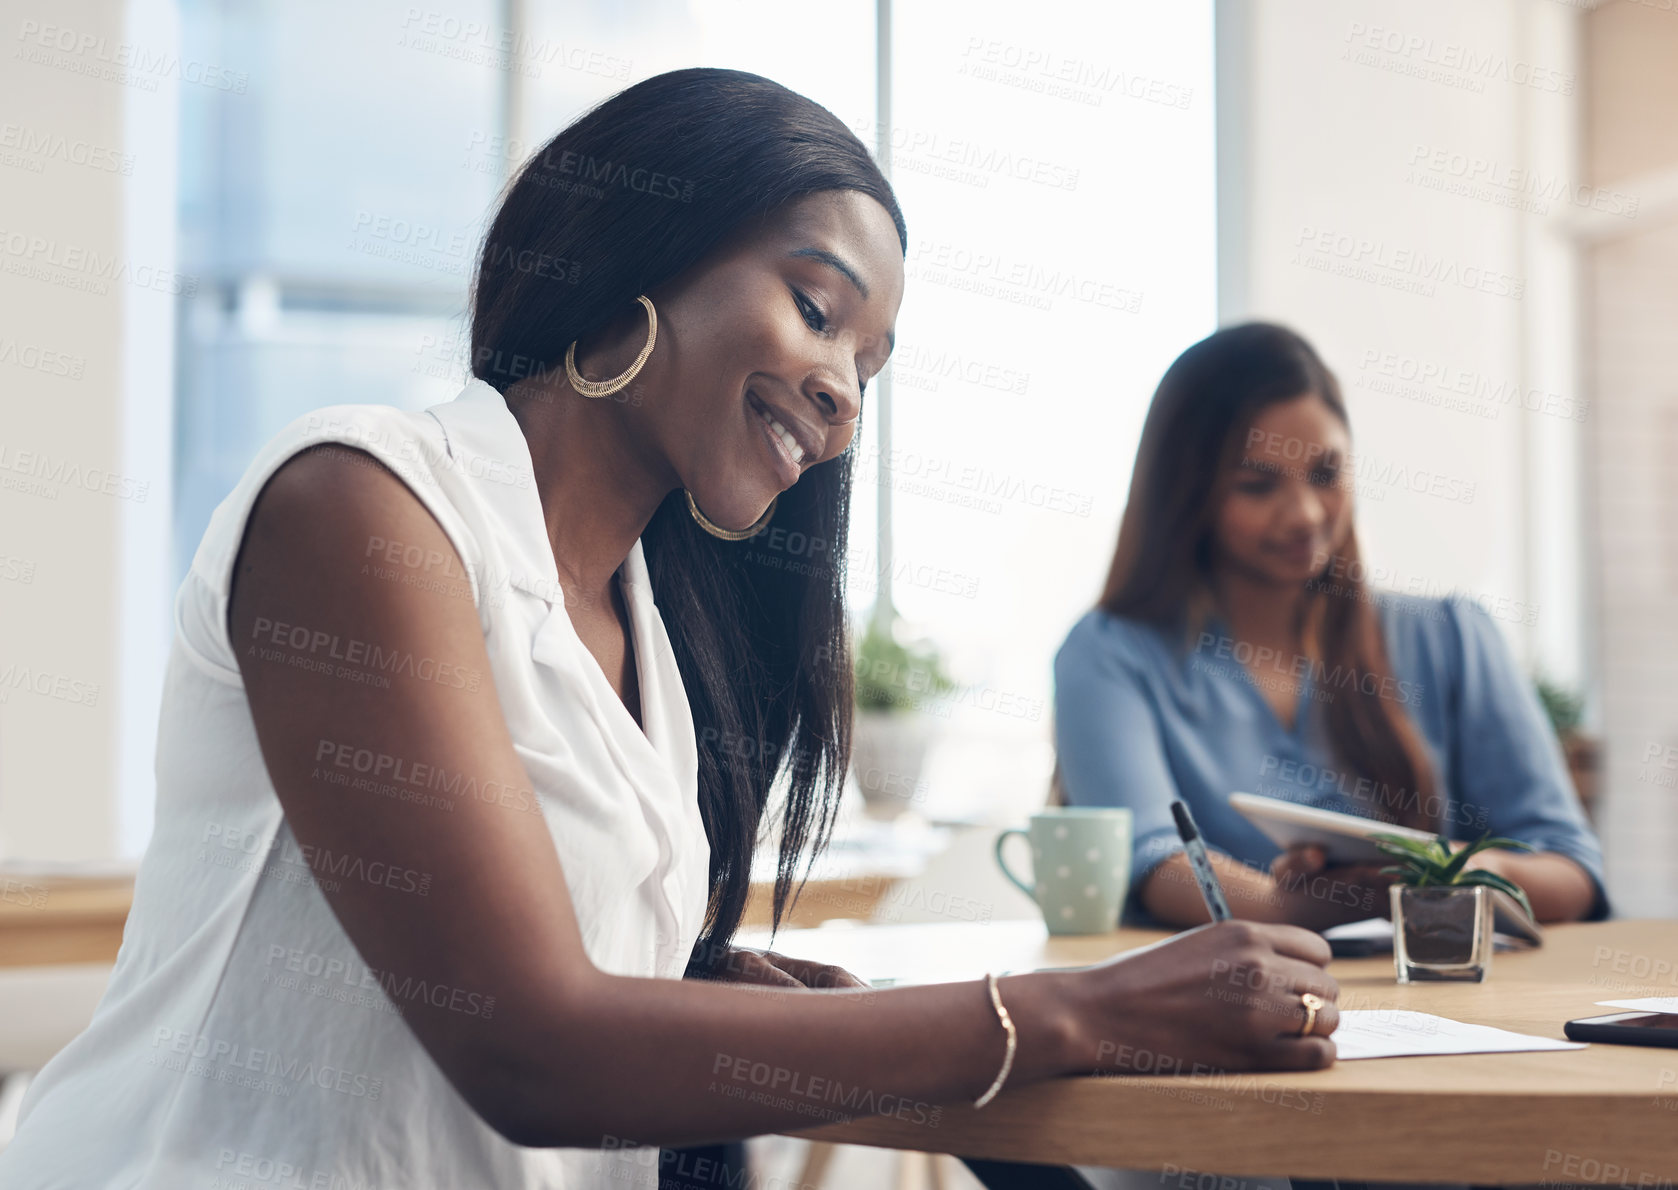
point(1162, 567)
point(631, 194)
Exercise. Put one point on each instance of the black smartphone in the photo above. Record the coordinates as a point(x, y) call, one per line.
point(1626, 1028)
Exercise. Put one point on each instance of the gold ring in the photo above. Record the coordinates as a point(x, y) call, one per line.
point(1311, 1002)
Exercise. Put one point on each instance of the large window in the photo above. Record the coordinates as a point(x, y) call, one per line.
point(1055, 163)
point(331, 210)
point(1055, 168)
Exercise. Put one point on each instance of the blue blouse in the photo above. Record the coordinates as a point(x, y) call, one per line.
point(1143, 717)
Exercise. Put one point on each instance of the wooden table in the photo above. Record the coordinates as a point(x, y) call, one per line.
point(1605, 1114)
point(47, 920)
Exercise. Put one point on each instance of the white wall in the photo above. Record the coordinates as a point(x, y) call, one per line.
point(86, 162)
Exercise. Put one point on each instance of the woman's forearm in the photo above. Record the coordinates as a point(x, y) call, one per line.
point(695, 1062)
point(1171, 894)
point(621, 1061)
point(1315, 901)
point(1557, 887)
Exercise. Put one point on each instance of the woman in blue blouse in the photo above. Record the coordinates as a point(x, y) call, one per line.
point(1235, 647)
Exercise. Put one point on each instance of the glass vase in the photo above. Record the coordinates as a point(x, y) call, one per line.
point(1442, 933)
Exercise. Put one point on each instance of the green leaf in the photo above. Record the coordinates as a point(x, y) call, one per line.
point(893, 675)
point(1493, 880)
point(1458, 864)
point(1401, 848)
point(1420, 859)
point(1565, 707)
point(1449, 875)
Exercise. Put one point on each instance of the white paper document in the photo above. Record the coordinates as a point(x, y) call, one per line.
point(1370, 929)
point(1393, 1033)
point(1647, 1004)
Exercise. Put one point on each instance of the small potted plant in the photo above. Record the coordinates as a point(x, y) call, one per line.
point(897, 685)
point(1565, 708)
point(1442, 910)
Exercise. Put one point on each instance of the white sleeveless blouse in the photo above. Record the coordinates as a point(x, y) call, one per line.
point(242, 1042)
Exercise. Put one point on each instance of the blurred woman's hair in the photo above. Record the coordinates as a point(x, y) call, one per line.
point(628, 196)
point(1194, 437)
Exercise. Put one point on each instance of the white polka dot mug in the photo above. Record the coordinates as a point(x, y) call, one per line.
point(1080, 863)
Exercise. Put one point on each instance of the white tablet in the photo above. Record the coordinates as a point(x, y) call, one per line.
point(1344, 838)
point(1348, 839)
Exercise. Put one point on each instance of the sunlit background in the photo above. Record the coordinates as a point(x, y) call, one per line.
point(1467, 207)
point(218, 215)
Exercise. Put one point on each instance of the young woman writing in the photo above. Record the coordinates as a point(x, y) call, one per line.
point(1236, 647)
point(472, 718)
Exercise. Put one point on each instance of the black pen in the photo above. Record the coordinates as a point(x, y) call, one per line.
point(1204, 876)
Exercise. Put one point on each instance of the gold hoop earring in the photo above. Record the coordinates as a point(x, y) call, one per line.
point(716, 530)
point(605, 388)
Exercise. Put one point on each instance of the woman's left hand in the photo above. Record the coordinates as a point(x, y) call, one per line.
point(746, 965)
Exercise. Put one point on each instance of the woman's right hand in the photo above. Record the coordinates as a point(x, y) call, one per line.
point(1221, 997)
point(1319, 894)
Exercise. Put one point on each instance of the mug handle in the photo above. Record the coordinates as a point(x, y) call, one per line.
point(1029, 890)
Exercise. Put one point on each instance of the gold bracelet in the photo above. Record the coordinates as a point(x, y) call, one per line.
point(1013, 1040)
